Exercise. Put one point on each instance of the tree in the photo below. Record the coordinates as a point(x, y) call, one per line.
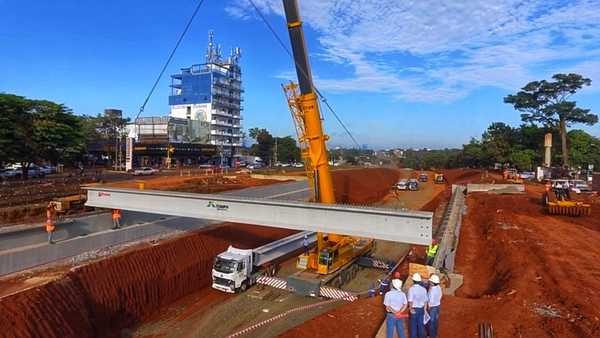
point(584, 149)
point(287, 150)
point(37, 130)
point(546, 103)
point(523, 159)
point(498, 140)
point(15, 128)
point(264, 144)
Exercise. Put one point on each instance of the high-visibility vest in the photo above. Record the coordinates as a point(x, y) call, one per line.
point(116, 214)
point(49, 223)
point(432, 250)
point(50, 226)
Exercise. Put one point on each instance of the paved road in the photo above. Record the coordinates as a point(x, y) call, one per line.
point(26, 246)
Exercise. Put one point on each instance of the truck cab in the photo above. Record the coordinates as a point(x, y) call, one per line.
point(232, 270)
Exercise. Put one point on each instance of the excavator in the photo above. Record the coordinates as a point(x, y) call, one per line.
point(332, 251)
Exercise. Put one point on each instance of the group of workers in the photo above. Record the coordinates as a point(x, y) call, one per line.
point(51, 216)
point(421, 305)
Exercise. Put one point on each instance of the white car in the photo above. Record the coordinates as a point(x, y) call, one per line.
point(402, 185)
point(145, 171)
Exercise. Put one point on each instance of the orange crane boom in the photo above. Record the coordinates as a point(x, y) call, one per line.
point(302, 99)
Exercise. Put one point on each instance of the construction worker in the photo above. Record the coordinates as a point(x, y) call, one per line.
point(417, 299)
point(395, 303)
point(384, 285)
point(431, 251)
point(116, 217)
point(305, 244)
point(433, 306)
point(50, 227)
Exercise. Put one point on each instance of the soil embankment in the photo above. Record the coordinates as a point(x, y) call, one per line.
point(101, 297)
point(363, 318)
point(527, 273)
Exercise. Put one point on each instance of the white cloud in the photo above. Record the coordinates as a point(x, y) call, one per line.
point(459, 45)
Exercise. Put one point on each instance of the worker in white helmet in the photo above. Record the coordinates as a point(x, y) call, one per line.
point(433, 306)
point(395, 306)
point(417, 300)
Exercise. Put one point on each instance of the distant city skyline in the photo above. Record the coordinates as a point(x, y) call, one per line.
point(401, 75)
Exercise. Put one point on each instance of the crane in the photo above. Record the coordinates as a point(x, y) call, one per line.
point(338, 250)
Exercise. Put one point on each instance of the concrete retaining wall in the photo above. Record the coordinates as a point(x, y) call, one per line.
point(82, 235)
point(500, 188)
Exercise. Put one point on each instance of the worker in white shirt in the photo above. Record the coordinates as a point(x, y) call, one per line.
point(433, 306)
point(417, 299)
point(395, 307)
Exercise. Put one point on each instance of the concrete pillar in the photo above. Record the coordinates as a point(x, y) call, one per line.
point(548, 150)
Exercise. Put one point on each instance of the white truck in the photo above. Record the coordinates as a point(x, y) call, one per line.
point(236, 269)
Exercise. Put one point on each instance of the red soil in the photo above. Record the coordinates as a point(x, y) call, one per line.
point(527, 273)
point(348, 320)
point(363, 186)
point(104, 296)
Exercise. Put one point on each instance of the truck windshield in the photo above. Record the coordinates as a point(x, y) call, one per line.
point(224, 265)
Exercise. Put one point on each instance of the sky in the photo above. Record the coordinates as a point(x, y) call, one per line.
point(399, 73)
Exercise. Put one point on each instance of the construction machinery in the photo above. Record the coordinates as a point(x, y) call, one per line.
point(438, 178)
point(235, 269)
point(336, 251)
point(558, 202)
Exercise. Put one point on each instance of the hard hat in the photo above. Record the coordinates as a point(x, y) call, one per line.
point(397, 284)
point(434, 241)
point(434, 279)
point(397, 275)
point(416, 277)
point(305, 236)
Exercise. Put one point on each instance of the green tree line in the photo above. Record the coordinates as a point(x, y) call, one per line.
point(42, 131)
point(521, 147)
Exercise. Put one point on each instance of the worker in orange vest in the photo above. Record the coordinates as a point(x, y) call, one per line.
point(50, 227)
point(116, 216)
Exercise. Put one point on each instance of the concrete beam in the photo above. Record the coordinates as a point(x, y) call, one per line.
point(400, 226)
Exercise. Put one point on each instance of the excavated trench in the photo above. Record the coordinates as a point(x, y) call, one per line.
point(102, 297)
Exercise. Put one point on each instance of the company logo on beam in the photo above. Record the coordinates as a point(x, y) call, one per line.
point(103, 193)
point(220, 207)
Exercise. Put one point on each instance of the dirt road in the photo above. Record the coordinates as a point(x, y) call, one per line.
point(527, 273)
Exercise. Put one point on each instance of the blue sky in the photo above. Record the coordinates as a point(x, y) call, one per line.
point(400, 73)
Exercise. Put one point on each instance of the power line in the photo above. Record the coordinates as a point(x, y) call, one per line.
point(164, 68)
point(321, 96)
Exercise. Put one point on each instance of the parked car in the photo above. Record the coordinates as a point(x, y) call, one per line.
point(579, 186)
point(527, 175)
point(298, 165)
point(423, 177)
point(10, 173)
point(48, 169)
point(144, 171)
point(401, 185)
point(413, 184)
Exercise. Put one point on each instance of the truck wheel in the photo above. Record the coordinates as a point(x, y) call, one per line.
point(243, 287)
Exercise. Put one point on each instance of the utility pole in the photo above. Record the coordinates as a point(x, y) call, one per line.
point(275, 151)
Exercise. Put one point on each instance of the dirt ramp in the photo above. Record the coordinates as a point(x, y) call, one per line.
point(363, 186)
point(98, 299)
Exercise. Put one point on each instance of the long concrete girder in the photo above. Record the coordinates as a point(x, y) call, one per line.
point(413, 227)
point(25, 246)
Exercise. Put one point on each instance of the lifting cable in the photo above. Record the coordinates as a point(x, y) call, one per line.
point(287, 50)
point(164, 68)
